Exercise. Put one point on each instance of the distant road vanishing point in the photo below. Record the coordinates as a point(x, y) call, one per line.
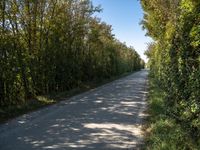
point(106, 118)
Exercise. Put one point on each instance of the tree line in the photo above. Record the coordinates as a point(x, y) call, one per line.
point(56, 45)
point(174, 57)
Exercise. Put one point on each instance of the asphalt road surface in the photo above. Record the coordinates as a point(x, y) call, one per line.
point(106, 118)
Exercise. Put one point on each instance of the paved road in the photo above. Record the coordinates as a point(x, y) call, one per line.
point(105, 118)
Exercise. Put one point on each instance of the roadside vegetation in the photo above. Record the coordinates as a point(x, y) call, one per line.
point(174, 61)
point(163, 132)
point(55, 46)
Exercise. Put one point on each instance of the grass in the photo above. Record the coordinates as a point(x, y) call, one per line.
point(46, 100)
point(162, 131)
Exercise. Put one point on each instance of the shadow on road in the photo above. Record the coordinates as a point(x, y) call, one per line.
point(109, 117)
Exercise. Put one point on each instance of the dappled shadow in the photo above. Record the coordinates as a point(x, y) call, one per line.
point(109, 117)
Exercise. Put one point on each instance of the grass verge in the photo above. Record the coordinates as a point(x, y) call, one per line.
point(46, 100)
point(162, 131)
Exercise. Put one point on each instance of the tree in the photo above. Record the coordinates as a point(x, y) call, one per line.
point(174, 56)
point(55, 45)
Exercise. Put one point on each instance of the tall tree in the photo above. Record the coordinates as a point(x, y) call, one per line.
point(174, 56)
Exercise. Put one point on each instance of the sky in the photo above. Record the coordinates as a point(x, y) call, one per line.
point(125, 16)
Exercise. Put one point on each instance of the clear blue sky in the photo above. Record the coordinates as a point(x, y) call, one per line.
point(125, 16)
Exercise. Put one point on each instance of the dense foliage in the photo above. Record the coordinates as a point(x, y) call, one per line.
point(56, 45)
point(174, 57)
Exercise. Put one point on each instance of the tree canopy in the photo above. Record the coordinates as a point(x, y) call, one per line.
point(174, 56)
point(55, 45)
